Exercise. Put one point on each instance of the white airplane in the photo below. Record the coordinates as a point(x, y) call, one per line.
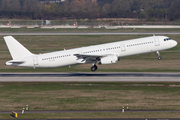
point(96, 54)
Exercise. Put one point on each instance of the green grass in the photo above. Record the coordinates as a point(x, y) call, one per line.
point(89, 96)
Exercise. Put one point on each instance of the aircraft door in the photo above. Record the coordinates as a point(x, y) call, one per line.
point(35, 61)
point(156, 40)
point(123, 48)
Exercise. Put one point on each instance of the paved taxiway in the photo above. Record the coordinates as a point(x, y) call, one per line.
point(105, 119)
point(89, 77)
point(90, 33)
point(96, 111)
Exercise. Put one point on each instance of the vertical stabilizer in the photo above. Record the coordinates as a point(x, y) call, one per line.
point(16, 50)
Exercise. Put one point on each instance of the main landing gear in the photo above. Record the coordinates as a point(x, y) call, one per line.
point(94, 67)
point(159, 57)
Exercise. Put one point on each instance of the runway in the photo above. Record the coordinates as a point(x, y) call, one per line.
point(89, 77)
point(90, 33)
point(99, 111)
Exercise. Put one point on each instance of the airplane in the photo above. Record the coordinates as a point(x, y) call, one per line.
point(108, 53)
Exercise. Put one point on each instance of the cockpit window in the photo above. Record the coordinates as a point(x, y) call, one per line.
point(166, 39)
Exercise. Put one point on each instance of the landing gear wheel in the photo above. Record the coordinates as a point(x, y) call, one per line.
point(94, 68)
point(159, 58)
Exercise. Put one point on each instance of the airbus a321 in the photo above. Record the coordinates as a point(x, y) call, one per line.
point(108, 53)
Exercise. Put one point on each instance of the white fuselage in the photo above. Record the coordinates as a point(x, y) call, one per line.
point(120, 49)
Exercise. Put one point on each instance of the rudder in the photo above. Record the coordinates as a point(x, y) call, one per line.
point(16, 50)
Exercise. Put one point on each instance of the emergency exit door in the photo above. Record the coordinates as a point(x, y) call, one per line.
point(123, 48)
point(35, 61)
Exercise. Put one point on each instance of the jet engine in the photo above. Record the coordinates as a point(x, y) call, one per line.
point(109, 59)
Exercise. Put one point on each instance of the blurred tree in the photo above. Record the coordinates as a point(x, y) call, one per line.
point(91, 9)
point(105, 11)
point(120, 8)
point(77, 8)
point(174, 10)
point(81, 9)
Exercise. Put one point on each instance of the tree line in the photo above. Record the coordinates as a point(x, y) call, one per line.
point(91, 9)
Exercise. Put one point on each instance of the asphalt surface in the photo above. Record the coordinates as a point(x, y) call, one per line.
point(102, 119)
point(90, 33)
point(96, 111)
point(90, 77)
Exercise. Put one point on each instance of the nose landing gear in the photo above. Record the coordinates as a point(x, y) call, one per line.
point(159, 57)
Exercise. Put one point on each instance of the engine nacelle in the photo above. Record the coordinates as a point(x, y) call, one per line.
point(109, 59)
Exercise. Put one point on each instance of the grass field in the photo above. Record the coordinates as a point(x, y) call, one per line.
point(91, 96)
point(141, 63)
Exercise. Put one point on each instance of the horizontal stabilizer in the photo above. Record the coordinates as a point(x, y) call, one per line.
point(17, 62)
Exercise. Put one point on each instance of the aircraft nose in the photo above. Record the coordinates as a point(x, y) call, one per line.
point(174, 43)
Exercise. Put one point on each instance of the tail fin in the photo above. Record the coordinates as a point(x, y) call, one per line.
point(16, 50)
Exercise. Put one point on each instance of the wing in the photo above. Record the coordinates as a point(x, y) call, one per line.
point(89, 58)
